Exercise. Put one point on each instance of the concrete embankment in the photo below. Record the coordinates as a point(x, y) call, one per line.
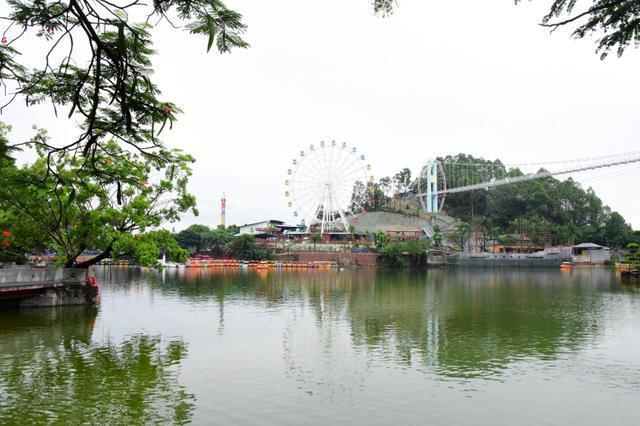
point(26, 286)
point(524, 260)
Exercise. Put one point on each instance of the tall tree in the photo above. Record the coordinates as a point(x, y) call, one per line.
point(199, 238)
point(145, 249)
point(402, 181)
point(97, 67)
point(617, 233)
point(133, 193)
point(460, 233)
point(244, 247)
point(195, 238)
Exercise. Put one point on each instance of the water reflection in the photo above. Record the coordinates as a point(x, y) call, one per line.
point(297, 347)
point(457, 323)
point(471, 324)
point(52, 371)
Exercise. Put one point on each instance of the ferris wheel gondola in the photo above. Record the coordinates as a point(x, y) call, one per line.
point(326, 184)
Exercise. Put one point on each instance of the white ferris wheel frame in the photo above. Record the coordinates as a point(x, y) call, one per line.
point(321, 185)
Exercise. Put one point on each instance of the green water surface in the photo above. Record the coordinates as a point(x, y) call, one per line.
point(363, 346)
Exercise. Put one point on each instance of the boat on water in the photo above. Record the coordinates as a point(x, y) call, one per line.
point(197, 262)
point(169, 264)
point(565, 265)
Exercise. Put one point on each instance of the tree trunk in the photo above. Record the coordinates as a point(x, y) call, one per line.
point(69, 263)
point(72, 259)
point(94, 260)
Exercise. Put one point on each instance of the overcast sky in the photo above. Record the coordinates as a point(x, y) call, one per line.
point(436, 78)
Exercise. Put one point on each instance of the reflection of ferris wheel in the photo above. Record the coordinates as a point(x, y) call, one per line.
point(326, 183)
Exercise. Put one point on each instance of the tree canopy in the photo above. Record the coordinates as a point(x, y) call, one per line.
point(221, 241)
point(145, 249)
point(561, 208)
point(615, 23)
point(95, 188)
point(403, 253)
point(200, 238)
point(89, 211)
point(97, 67)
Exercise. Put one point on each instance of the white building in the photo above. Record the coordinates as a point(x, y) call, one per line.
point(264, 227)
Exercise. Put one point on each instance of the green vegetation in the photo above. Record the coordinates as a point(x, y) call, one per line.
point(615, 22)
point(404, 253)
point(618, 22)
point(221, 241)
point(244, 247)
point(386, 194)
point(560, 210)
point(58, 203)
point(115, 177)
point(437, 236)
point(146, 249)
point(460, 234)
point(8, 251)
point(633, 254)
point(102, 72)
point(384, 7)
point(563, 209)
point(315, 237)
point(380, 238)
point(201, 238)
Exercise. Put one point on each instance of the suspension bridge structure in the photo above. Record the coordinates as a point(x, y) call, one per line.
point(452, 175)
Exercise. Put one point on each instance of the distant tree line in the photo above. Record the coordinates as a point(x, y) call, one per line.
point(548, 207)
point(201, 239)
point(560, 208)
point(387, 193)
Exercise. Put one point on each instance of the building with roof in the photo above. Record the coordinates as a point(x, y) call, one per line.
point(590, 253)
point(263, 229)
point(269, 228)
point(404, 233)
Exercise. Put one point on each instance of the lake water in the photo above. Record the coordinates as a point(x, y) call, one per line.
point(362, 346)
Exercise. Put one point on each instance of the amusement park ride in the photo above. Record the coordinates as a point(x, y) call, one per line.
point(330, 182)
point(326, 183)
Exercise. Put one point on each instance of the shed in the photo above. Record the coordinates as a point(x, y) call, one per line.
point(590, 253)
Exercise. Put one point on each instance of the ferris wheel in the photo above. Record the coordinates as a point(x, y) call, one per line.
point(326, 184)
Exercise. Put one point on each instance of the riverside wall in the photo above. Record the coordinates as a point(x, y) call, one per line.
point(521, 262)
point(26, 286)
